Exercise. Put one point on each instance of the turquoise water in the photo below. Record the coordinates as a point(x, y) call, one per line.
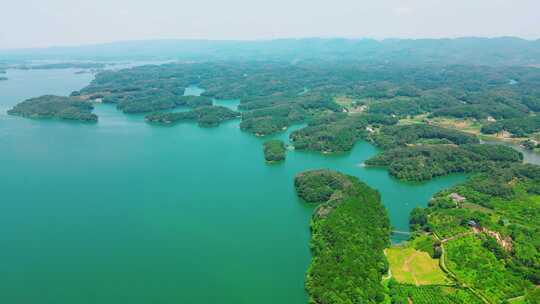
point(196, 91)
point(126, 212)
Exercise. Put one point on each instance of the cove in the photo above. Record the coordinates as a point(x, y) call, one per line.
point(126, 212)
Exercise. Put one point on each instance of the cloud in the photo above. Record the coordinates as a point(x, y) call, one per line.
point(402, 10)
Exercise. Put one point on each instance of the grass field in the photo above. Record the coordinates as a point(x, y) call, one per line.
point(350, 104)
point(477, 207)
point(410, 266)
point(418, 119)
point(465, 125)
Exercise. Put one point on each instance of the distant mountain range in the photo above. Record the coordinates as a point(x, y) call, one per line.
point(477, 51)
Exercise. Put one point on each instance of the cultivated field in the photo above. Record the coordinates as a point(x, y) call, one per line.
point(410, 266)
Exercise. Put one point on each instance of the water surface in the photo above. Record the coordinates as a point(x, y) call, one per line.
point(126, 212)
point(531, 157)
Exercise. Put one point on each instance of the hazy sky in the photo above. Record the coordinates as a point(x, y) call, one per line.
point(41, 23)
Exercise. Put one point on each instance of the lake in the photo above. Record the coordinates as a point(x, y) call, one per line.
point(126, 212)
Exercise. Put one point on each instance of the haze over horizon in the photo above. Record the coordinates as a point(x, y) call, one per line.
point(64, 23)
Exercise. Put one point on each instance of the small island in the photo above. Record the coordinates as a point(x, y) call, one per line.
point(274, 151)
point(207, 116)
point(52, 106)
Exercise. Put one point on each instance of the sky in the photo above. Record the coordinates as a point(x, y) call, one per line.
point(45, 23)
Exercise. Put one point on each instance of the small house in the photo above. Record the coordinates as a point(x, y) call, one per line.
point(473, 224)
point(457, 198)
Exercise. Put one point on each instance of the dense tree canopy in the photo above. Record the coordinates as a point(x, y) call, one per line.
point(350, 230)
point(206, 116)
point(51, 106)
point(274, 95)
point(403, 135)
point(274, 150)
point(519, 127)
point(423, 162)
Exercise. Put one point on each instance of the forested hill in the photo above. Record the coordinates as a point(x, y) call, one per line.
point(477, 51)
point(350, 229)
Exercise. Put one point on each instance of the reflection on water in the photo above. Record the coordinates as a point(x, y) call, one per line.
point(529, 156)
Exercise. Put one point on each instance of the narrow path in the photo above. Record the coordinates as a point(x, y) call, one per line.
point(451, 274)
point(387, 276)
point(457, 236)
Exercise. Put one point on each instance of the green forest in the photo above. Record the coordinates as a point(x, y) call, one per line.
point(274, 151)
point(424, 162)
point(350, 229)
point(205, 116)
point(274, 95)
point(59, 107)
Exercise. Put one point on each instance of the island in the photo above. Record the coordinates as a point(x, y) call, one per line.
point(206, 116)
point(349, 231)
point(274, 151)
point(59, 107)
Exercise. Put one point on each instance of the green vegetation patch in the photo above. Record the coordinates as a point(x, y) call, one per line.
point(274, 151)
point(403, 135)
point(411, 266)
point(51, 106)
point(350, 230)
point(193, 101)
point(206, 116)
point(275, 113)
point(336, 132)
point(476, 266)
point(533, 297)
point(273, 119)
point(489, 228)
point(423, 162)
point(430, 294)
point(518, 127)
